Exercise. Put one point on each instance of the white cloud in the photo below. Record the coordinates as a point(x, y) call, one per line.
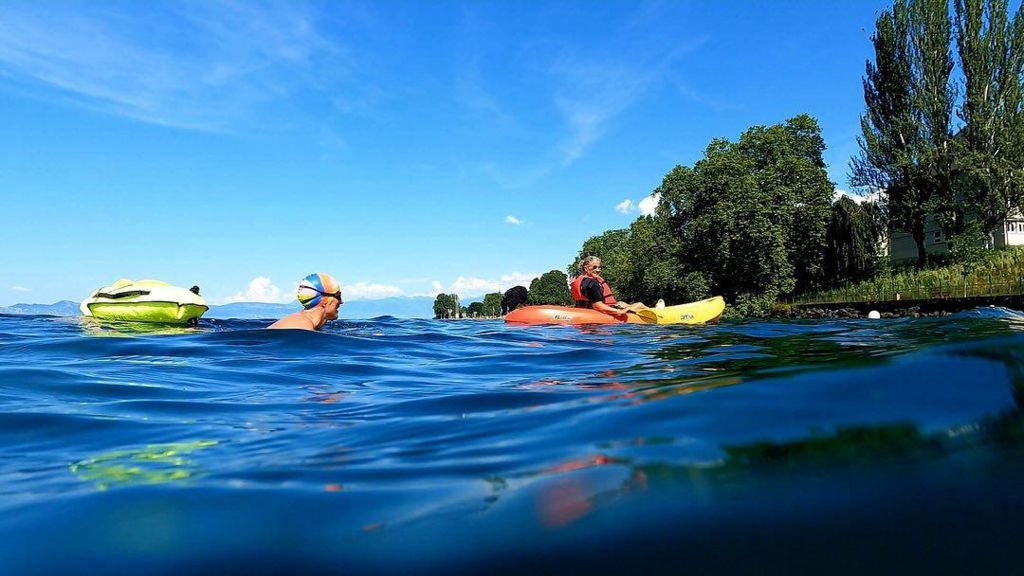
point(369, 291)
point(646, 206)
point(510, 219)
point(20, 289)
point(649, 204)
point(509, 280)
point(625, 207)
point(466, 286)
point(840, 193)
point(262, 289)
point(473, 286)
point(858, 198)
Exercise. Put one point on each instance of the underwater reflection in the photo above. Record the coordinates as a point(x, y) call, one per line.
point(115, 329)
point(153, 464)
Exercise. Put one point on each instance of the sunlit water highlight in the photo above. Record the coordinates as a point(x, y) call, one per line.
point(396, 445)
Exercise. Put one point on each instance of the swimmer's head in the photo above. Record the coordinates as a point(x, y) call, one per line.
point(317, 287)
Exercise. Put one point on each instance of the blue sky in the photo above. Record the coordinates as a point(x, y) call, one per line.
point(404, 147)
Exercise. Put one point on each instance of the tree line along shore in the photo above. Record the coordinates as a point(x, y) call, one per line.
point(758, 221)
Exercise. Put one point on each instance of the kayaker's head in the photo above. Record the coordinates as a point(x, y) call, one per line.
point(320, 291)
point(591, 266)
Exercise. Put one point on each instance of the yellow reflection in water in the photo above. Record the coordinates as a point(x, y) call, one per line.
point(154, 464)
point(115, 329)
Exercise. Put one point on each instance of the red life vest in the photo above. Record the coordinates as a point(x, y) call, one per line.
point(582, 301)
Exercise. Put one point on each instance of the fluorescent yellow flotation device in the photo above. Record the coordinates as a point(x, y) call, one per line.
point(145, 301)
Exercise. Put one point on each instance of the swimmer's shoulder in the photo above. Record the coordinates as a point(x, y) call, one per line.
point(296, 321)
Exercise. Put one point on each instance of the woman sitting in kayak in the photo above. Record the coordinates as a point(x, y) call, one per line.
point(590, 290)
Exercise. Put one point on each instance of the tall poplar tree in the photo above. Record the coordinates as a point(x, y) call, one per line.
point(934, 95)
point(906, 130)
point(990, 44)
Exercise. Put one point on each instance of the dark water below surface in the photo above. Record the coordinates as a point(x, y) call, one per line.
point(401, 446)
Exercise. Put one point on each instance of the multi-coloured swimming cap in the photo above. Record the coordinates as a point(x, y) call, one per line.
point(313, 288)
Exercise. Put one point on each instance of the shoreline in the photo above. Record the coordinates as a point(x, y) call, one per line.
point(917, 308)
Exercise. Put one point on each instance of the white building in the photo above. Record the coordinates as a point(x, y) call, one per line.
point(901, 245)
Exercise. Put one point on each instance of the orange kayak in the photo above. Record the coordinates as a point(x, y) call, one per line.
point(700, 312)
point(564, 315)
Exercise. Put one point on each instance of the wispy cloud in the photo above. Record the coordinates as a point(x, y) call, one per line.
point(588, 88)
point(196, 65)
point(593, 89)
point(20, 289)
point(718, 105)
point(592, 93)
point(515, 177)
point(510, 219)
point(471, 87)
point(471, 91)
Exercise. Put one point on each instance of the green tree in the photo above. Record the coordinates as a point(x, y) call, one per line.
point(657, 272)
point(967, 250)
point(890, 140)
point(550, 288)
point(990, 158)
point(748, 221)
point(446, 306)
point(728, 224)
point(934, 96)
point(852, 242)
point(492, 304)
point(475, 309)
point(751, 217)
point(440, 306)
point(616, 265)
point(790, 170)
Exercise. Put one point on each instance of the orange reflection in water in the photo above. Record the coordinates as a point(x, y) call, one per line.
point(571, 497)
point(563, 503)
point(568, 499)
point(580, 464)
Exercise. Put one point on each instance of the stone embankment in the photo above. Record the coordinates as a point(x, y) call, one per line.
point(896, 308)
point(813, 312)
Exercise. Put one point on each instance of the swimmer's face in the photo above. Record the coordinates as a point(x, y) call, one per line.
point(331, 305)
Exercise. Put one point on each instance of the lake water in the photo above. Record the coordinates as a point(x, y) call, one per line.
point(403, 445)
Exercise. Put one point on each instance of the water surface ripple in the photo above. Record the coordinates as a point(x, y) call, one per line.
point(407, 445)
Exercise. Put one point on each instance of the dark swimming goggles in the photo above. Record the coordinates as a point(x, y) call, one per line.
point(332, 294)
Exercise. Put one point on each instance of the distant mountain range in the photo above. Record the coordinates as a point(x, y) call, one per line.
point(62, 308)
point(407, 307)
point(402, 307)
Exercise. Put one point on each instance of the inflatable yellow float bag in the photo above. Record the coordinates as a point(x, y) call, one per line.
point(145, 301)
